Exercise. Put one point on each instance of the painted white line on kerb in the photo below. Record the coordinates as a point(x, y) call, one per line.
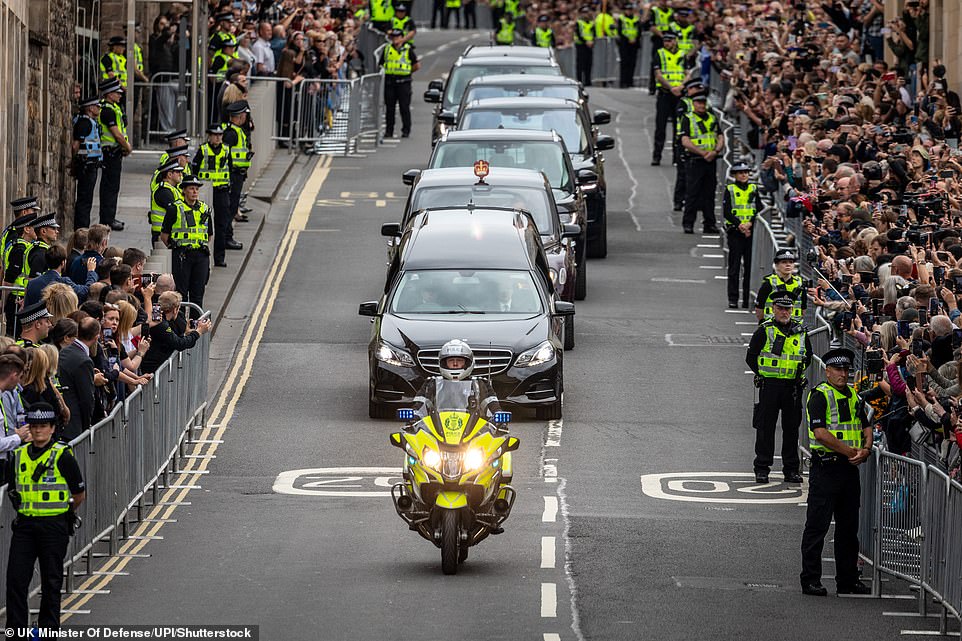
point(551, 636)
point(721, 277)
point(710, 267)
point(547, 552)
point(713, 255)
point(549, 600)
point(550, 514)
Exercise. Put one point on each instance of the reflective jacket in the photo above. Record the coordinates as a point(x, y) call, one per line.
point(106, 136)
point(793, 288)
point(49, 494)
point(743, 200)
point(397, 62)
point(848, 431)
point(90, 149)
point(783, 354)
point(190, 230)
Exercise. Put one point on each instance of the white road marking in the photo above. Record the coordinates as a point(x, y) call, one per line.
point(550, 514)
point(711, 267)
point(550, 470)
point(707, 246)
point(736, 311)
point(551, 636)
point(651, 485)
point(547, 552)
point(721, 277)
point(631, 177)
point(341, 478)
point(549, 600)
point(746, 323)
point(747, 333)
point(713, 255)
point(554, 433)
point(693, 281)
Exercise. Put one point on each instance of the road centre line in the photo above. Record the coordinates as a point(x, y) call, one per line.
point(549, 600)
point(547, 552)
point(713, 255)
point(551, 636)
point(554, 433)
point(227, 400)
point(550, 514)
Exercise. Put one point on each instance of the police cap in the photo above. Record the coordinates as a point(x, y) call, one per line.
point(395, 33)
point(176, 135)
point(785, 254)
point(630, 5)
point(741, 166)
point(700, 98)
point(694, 83)
point(25, 203)
point(586, 9)
point(401, 7)
point(116, 41)
point(543, 19)
point(191, 181)
point(238, 107)
point(227, 16)
point(90, 101)
point(23, 221)
point(840, 357)
point(783, 301)
point(33, 312)
point(668, 35)
point(215, 129)
point(40, 413)
point(170, 165)
point(50, 220)
point(176, 152)
point(110, 86)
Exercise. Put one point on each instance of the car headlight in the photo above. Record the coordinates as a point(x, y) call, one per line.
point(536, 355)
point(473, 459)
point(553, 274)
point(393, 356)
point(589, 187)
point(431, 458)
point(563, 276)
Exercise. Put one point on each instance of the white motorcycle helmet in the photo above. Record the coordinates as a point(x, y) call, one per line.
point(456, 349)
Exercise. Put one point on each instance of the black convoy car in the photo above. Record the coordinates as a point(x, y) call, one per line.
point(481, 276)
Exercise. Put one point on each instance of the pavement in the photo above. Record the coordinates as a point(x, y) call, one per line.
point(636, 516)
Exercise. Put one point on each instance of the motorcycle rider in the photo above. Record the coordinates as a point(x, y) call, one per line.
point(455, 387)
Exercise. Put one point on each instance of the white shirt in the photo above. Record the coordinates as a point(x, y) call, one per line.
point(263, 56)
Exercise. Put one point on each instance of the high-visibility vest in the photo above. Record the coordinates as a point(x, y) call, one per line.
point(629, 27)
point(584, 32)
point(7, 241)
point(505, 35)
point(404, 24)
point(662, 18)
point(543, 37)
point(214, 165)
point(106, 136)
point(701, 130)
point(671, 67)
point(783, 353)
point(688, 109)
point(513, 8)
point(743, 200)
point(452, 4)
point(90, 149)
point(50, 494)
point(381, 10)
point(240, 154)
point(157, 213)
point(397, 62)
point(685, 38)
point(117, 63)
point(605, 25)
point(219, 63)
point(21, 280)
point(216, 38)
point(848, 431)
point(779, 287)
point(190, 229)
point(138, 57)
point(37, 244)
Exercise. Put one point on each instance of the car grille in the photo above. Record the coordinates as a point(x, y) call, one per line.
point(487, 362)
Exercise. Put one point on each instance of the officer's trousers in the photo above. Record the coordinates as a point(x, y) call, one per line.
point(629, 58)
point(653, 46)
point(237, 180)
point(191, 269)
point(34, 539)
point(110, 185)
point(397, 93)
point(700, 183)
point(583, 60)
point(437, 11)
point(739, 256)
point(680, 156)
point(448, 11)
point(833, 491)
point(470, 16)
point(777, 396)
point(222, 222)
point(665, 107)
point(86, 183)
point(10, 308)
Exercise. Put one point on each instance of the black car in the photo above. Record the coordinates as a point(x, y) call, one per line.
point(531, 85)
point(481, 276)
point(447, 94)
point(568, 119)
point(541, 150)
point(524, 189)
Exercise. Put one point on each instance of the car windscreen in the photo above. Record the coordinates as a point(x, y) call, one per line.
point(530, 199)
point(546, 157)
point(493, 91)
point(461, 76)
point(466, 292)
point(564, 121)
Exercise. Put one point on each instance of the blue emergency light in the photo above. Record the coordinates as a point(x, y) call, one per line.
point(405, 414)
point(502, 417)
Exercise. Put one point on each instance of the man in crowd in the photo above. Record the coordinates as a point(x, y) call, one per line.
point(35, 323)
point(55, 258)
point(164, 339)
point(77, 376)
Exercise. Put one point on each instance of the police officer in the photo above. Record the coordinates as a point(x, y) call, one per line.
point(781, 282)
point(35, 323)
point(628, 44)
point(658, 21)
point(669, 76)
point(212, 163)
point(382, 13)
point(237, 136)
point(684, 32)
point(497, 10)
point(404, 22)
point(584, 38)
point(452, 7)
point(543, 35)
point(186, 230)
point(46, 488)
point(223, 31)
point(174, 139)
point(163, 195)
point(25, 211)
point(692, 87)
point(779, 352)
point(505, 33)
point(703, 141)
point(15, 271)
point(437, 12)
point(48, 231)
point(840, 439)
point(178, 154)
point(116, 145)
point(740, 205)
point(222, 59)
point(113, 64)
point(605, 24)
point(399, 61)
point(87, 157)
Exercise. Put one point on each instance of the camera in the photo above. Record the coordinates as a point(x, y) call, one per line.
point(155, 314)
point(147, 279)
point(812, 256)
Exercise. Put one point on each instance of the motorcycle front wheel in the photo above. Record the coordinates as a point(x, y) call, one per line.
point(450, 540)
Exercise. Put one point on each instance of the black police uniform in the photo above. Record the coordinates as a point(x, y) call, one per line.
point(112, 167)
point(777, 396)
point(220, 203)
point(42, 539)
point(739, 247)
point(585, 33)
point(86, 171)
point(680, 154)
point(701, 178)
point(397, 93)
point(666, 108)
point(190, 266)
point(628, 50)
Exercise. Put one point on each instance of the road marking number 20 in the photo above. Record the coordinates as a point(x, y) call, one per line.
point(338, 481)
point(719, 487)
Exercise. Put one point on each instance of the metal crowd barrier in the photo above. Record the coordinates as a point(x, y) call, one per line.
point(127, 459)
point(606, 61)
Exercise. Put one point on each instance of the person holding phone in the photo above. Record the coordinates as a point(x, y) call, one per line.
point(164, 341)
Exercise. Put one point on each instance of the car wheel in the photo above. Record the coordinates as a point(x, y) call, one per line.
point(598, 247)
point(378, 410)
point(549, 412)
point(569, 343)
point(581, 281)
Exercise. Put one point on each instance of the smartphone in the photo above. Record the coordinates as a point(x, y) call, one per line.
point(845, 321)
point(888, 77)
point(845, 278)
point(877, 306)
point(956, 338)
point(923, 316)
point(918, 349)
point(868, 320)
point(949, 285)
point(942, 255)
point(938, 273)
point(904, 331)
point(933, 306)
point(155, 314)
point(877, 340)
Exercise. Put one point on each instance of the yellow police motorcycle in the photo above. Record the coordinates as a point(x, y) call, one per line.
point(457, 467)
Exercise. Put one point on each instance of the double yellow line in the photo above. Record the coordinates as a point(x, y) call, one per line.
point(219, 418)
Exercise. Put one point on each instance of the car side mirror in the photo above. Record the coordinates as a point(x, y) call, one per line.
point(397, 440)
point(391, 230)
point(367, 309)
point(586, 176)
point(432, 95)
point(601, 118)
point(410, 176)
point(570, 230)
point(511, 444)
point(564, 308)
point(446, 118)
point(436, 84)
point(604, 143)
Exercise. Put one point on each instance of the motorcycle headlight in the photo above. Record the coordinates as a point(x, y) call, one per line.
point(393, 356)
point(536, 355)
point(473, 459)
point(431, 458)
